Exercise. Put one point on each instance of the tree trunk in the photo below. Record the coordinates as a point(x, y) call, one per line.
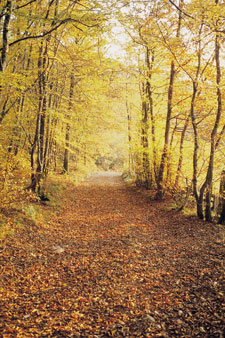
point(130, 155)
point(32, 157)
point(164, 158)
point(195, 154)
point(42, 112)
point(5, 33)
point(66, 152)
point(67, 136)
point(160, 183)
point(198, 197)
point(180, 161)
point(209, 177)
point(169, 173)
point(38, 142)
point(222, 199)
point(144, 141)
point(150, 64)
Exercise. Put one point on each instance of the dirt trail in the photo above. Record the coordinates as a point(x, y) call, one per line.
point(105, 178)
point(113, 263)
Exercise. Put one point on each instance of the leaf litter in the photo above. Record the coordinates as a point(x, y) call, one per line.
point(113, 263)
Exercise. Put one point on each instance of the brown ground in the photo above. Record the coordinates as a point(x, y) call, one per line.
point(113, 263)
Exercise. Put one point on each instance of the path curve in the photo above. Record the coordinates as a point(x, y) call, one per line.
point(105, 178)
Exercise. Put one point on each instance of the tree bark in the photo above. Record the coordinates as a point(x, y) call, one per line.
point(164, 158)
point(198, 197)
point(38, 142)
point(145, 141)
point(199, 200)
point(222, 199)
point(67, 136)
point(5, 33)
point(150, 64)
point(209, 177)
point(130, 155)
point(180, 161)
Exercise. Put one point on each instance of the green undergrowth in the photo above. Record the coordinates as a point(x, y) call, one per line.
point(32, 211)
point(127, 177)
point(5, 227)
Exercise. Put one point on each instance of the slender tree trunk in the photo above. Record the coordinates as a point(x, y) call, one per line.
point(150, 64)
point(42, 112)
point(145, 142)
point(169, 173)
point(160, 188)
point(222, 199)
point(66, 152)
point(38, 143)
point(164, 158)
point(180, 161)
point(67, 136)
point(130, 155)
point(5, 33)
point(153, 140)
point(209, 177)
point(32, 157)
point(198, 197)
point(46, 147)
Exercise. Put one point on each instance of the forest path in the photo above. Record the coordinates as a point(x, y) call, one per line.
point(113, 263)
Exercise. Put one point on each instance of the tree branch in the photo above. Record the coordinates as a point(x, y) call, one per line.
point(49, 32)
point(181, 10)
point(27, 4)
point(3, 11)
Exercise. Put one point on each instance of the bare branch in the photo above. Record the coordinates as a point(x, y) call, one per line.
point(181, 10)
point(4, 11)
point(50, 31)
point(27, 4)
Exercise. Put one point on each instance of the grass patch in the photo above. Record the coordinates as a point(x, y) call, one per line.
point(30, 210)
point(173, 206)
point(20, 221)
point(5, 227)
point(53, 191)
point(127, 178)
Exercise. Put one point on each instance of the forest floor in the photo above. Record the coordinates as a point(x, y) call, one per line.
point(113, 262)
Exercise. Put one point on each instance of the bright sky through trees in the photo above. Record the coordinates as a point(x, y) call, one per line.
point(118, 42)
